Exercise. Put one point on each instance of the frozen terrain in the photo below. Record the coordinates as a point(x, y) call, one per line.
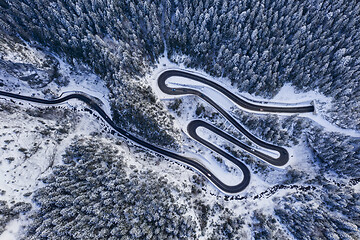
point(65, 175)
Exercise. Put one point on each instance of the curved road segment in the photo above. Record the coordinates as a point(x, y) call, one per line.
point(284, 155)
point(230, 189)
point(188, 161)
point(239, 101)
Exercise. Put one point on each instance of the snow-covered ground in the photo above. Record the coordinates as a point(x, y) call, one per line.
point(87, 83)
point(14, 228)
point(300, 155)
point(33, 144)
point(21, 133)
point(286, 95)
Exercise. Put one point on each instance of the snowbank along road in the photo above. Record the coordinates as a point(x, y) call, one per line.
point(284, 156)
point(228, 189)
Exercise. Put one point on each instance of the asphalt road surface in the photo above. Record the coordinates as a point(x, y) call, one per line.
point(241, 102)
point(195, 165)
point(230, 189)
point(284, 155)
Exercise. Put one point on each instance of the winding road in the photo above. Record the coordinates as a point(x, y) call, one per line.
point(284, 155)
point(239, 101)
point(229, 189)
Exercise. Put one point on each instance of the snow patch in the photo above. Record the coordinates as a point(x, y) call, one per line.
point(87, 83)
point(285, 97)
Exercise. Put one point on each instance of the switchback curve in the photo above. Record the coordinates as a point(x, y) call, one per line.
point(228, 189)
point(239, 101)
point(284, 155)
